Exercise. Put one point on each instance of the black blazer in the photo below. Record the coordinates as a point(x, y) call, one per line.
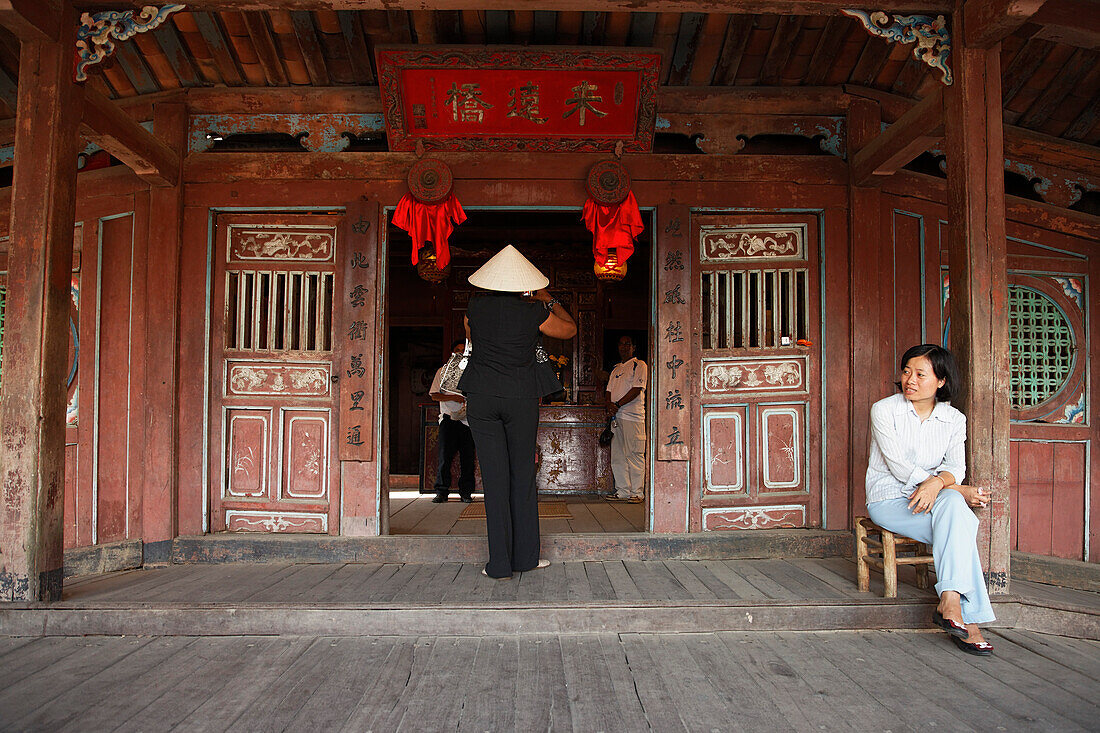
point(504, 331)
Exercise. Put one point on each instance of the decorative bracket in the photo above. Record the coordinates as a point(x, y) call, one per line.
point(931, 36)
point(93, 38)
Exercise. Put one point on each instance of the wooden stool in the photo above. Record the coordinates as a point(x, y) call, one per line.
point(882, 553)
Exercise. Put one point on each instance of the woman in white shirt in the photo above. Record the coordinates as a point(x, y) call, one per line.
point(917, 461)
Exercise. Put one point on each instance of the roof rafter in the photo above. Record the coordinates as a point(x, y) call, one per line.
point(778, 7)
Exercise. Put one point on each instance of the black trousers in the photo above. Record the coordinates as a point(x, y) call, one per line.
point(504, 430)
point(454, 437)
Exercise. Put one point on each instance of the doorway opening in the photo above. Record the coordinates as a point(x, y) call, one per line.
point(424, 320)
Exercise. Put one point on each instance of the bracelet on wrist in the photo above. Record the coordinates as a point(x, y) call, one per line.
point(551, 303)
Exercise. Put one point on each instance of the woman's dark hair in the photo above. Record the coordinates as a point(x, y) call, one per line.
point(944, 367)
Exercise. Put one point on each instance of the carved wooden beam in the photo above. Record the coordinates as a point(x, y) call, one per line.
point(743, 7)
point(931, 35)
point(96, 36)
point(104, 124)
point(31, 20)
point(915, 132)
point(988, 22)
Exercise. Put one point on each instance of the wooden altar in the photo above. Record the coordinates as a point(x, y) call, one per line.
point(572, 461)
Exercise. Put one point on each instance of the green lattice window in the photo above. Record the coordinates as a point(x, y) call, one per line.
point(1043, 347)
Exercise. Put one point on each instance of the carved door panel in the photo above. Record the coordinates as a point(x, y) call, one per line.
point(759, 389)
point(272, 449)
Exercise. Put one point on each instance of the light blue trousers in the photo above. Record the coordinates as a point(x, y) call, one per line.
point(952, 530)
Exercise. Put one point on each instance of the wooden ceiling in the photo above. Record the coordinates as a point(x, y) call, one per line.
point(1050, 87)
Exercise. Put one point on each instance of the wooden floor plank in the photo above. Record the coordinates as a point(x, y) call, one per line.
point(39, 654)
point(123, 587)
point(435, 703)
point(699, 703)
point(110, 708)
point(929, 657)
point(609, 518)
point(1068, 652)
point(412, 668)
point(349, 665)
point(31, 691)
point(577, 587)
point(302, 585)
point(468, 586)
point(803, 706)
point(1067, 677)
point(351, 582)
point(436, 577)
point(726, 667)
point(654, 581)
point(410, 516)
point(598, 581)
point(540, 584)
point(842, 695)
point(592, 701)
point(440, 519)
point(226, 692)
point(70, 704)
point(878, 677)
point(689, 581)
point(755, 573)
point(845, 586)
point(541, 698)
point(490, 690)
point(624, 693)
point(13, 644)
point(583, 520)
point(250, 584)
point(660, 705)
point(625, 587)
point(796, 580)
point(700, 570)
point(1048, 702)
point(382, 694)
point(738, 585)
point(392, 585)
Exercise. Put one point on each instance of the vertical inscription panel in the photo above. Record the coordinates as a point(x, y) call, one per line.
point(356, 337)
point(674, 334)
point(248, 443)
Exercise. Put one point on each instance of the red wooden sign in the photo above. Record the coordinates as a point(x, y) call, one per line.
point(477, 98)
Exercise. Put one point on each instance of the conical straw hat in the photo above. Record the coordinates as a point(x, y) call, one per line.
point(509, 271)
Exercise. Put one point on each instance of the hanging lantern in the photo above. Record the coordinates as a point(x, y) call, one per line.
point(610, 270)
point(427, 266)
point(611, 214)
point(429, 213)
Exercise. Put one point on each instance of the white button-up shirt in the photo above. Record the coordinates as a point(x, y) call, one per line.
point(906, 450)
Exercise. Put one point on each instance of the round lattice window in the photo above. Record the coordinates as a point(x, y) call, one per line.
point(1043, 347)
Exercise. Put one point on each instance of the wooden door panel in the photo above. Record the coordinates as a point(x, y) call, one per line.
point(782, 456)
point(724, 449)
point(248, 454)
point(306, 457)
point(759, 390)
point(275, 286)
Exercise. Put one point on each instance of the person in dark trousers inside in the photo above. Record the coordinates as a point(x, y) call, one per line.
point(454, 437)
point(503, 384)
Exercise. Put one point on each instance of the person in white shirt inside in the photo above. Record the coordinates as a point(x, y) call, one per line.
point(626, 405)
point(454, 437)
point(917, 460)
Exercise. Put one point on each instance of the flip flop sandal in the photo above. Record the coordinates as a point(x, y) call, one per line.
point(980, 649)
point(956, 630)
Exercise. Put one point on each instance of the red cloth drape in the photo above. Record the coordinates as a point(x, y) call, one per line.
point(613, 227)
point(429, 223)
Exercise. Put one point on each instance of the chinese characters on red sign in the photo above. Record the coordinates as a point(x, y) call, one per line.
point(518, 99)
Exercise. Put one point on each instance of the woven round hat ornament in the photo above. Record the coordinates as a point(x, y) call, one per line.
point(430, 180)
point(608, 182)
point(510, 272)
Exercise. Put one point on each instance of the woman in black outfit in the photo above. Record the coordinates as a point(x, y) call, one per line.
point(503, 384)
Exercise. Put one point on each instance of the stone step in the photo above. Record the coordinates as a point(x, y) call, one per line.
point(254, 547)
point(496, 618)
